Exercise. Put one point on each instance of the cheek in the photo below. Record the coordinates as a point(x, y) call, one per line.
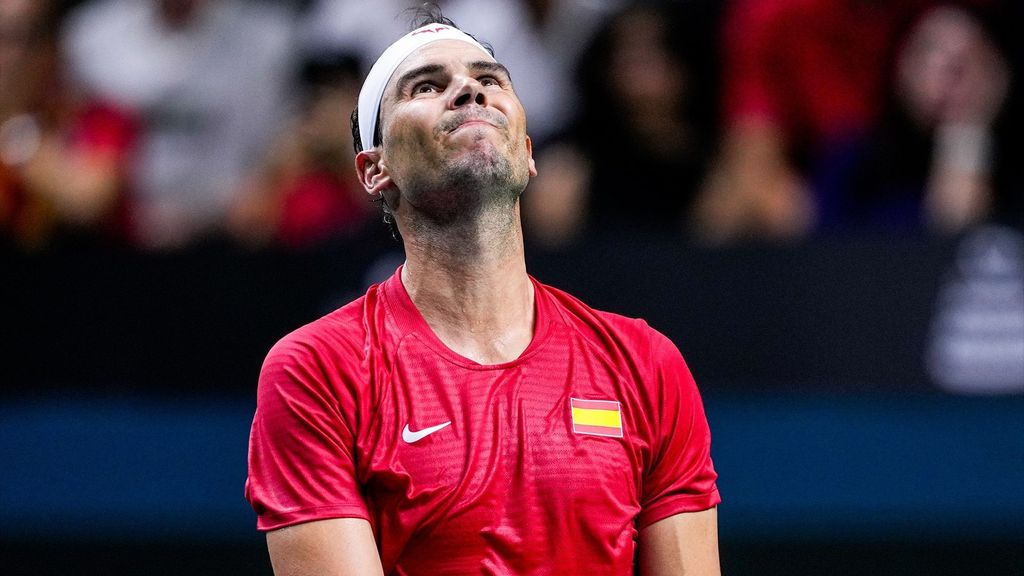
point(411, 126)
point(404, 146)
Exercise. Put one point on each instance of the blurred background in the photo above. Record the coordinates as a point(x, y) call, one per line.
point(820, 201)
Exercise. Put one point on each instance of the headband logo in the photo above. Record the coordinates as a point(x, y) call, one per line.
point(438, 29)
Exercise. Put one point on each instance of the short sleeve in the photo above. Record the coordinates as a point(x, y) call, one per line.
point(681, 476)
point(302, 443)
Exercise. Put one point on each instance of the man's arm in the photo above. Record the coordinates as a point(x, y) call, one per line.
point(335, 547)
point(683, 544)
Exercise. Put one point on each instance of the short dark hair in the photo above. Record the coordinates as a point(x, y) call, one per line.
point(426, 13)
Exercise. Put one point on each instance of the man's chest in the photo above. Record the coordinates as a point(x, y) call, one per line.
point(558, 435)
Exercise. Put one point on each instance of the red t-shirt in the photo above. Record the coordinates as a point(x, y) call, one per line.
point(549, 464)
point(815, 67)
point(319, 205)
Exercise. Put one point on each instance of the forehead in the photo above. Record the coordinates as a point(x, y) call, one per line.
point(452, 54)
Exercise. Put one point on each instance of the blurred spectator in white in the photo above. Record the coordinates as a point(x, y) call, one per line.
point(538, 40)
point(307, 191)
point(207, 78)
point(638, 154)
point(801, 77)
point(62, 157)
point(930, 162)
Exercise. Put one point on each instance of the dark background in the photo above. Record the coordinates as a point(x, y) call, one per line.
point(129, 378)
point(127, 382)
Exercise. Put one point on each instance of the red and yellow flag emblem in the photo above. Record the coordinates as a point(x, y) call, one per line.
point(596, 417)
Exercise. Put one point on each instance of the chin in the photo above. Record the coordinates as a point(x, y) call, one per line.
point(489, 171)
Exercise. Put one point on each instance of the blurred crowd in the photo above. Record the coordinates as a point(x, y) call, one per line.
point(160, 124)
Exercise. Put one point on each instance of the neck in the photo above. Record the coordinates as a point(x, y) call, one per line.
point(470, 284)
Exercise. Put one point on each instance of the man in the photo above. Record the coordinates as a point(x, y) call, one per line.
point(462, 418)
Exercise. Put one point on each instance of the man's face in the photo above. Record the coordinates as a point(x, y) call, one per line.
point(453, 130)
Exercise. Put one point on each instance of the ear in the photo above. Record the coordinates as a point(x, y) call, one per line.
point(372, 172)
point(529, 155)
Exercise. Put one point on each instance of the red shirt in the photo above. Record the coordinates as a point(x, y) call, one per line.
point(319, 205)
point(815, 67)
point(549, 464)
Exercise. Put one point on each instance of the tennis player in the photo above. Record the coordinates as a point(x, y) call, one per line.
point(462, 417)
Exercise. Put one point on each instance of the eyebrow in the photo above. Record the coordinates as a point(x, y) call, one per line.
point(411, 75)
point(430, 69)
point(490, 66)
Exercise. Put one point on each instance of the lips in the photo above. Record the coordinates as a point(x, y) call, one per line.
point(473, 122)
point(472, 119)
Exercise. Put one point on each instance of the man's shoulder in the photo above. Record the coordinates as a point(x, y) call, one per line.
point(327, 360)
point(603, 327)
point(338, 333)
point(640, 353)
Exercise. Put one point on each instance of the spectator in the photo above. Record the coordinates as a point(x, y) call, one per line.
point(931, 160)
point(62, 159)
point(638, 154)
point(207, 78)
point(801, 78)
point(308, 191)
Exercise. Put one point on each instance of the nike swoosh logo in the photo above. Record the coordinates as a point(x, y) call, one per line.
point(410, 436)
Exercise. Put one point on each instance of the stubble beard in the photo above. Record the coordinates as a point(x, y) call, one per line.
point(474, 185)
point(466, 207)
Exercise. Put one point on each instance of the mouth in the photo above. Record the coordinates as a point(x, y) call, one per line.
point(472, 122)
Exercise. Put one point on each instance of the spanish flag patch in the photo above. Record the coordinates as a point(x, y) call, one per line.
point(596, 417)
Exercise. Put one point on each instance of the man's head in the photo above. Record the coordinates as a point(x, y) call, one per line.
point(439, 130)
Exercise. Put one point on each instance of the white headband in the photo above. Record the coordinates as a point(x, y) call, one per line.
point(373, 88)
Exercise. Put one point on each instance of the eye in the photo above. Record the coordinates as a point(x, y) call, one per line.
point(424, 88)
point(489, 81)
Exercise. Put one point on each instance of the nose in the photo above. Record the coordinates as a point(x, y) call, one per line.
point(469, 92)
